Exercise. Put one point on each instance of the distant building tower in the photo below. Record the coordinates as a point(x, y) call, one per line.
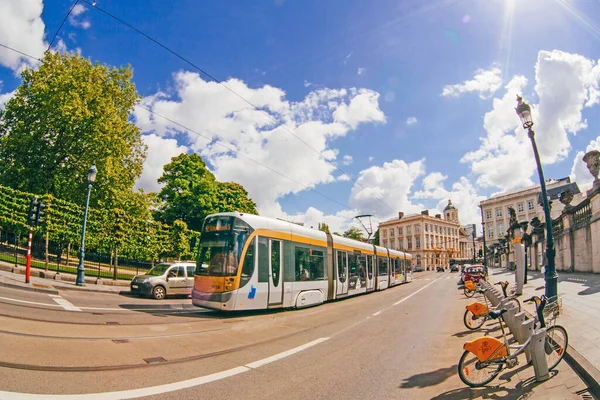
point(451, 213)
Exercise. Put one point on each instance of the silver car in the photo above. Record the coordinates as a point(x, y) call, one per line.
point(166, 278)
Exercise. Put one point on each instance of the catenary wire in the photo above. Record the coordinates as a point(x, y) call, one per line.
point(61, 25)
point(236, 94)
point(219, 143)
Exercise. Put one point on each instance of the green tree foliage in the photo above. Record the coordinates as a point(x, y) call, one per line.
point(66, 115)
point(324, 227)
point(191, 192)
point(376, 238)
point(179, 240)
point(354, 233)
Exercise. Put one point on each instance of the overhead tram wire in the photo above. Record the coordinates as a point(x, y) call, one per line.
point(236, 94)
point(61, 24)
point(347, 207)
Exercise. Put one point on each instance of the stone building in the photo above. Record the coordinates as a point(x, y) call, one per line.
point(432, 240)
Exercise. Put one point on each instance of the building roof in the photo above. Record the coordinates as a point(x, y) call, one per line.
point(554, 193)
point(449, 206)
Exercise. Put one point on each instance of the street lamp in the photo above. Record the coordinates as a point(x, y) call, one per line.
point(80, 269)
point(524, 111)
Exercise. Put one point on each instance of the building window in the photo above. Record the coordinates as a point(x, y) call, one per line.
point(400, 244)
point(508, 209)
point(426, 226)
point(498, 212)
point(520, 207)
point(400, 231)
point(417, 228)
point(417, 242)
point(384, 233)
point(409, 246)
point(530, 205)
point(392, 232)
point(384, 242)
point(491, 232)
point(435, 228)
point(408, 231)
point(488, 214)
point(500, 230)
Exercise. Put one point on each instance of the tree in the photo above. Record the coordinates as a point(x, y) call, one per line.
point(66, 115)
point(324, 227)
point(179, 239)
point(354, 233)
point(191, 193)
point(376, 238)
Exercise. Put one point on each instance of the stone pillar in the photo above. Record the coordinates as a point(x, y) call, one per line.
point(592, 160)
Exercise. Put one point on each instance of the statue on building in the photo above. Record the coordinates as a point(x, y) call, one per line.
point(592, 161)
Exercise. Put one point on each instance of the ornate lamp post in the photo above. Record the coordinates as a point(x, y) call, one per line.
point(524, 111)
point(80, 269)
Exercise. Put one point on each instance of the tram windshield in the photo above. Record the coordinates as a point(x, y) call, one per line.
point(221, 246)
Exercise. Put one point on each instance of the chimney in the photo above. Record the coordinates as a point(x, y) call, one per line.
point(425, 212)
point(400, 215)
point(438, 216)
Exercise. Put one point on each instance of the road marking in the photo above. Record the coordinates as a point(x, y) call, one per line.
point(284, 354)
point(377, 313)
point(411, 295)
point(160, 389)
point(64, 303)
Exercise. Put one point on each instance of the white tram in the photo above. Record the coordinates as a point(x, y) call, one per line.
point(248, 262)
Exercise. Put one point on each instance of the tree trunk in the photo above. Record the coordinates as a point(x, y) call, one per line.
point(17, 250)
point(116, 259)
point(47, 238)
point(68, 253)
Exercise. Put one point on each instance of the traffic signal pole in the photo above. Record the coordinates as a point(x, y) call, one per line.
point(28, 262)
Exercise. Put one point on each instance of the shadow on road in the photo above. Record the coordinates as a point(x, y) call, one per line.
point(428, 378)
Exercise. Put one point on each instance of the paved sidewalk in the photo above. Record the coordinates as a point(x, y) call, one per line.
point(580, 293)
point(47, 282)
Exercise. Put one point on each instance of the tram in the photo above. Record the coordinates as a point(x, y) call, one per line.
point(248, 262)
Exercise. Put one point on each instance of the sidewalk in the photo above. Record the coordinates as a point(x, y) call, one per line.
point(48, 282)
point(580, 293)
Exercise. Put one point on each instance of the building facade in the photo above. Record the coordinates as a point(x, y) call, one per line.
point(432, 241)
point(527, 205)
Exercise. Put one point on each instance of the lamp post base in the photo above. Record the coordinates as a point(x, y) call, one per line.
point(80, 278)
point(551, 285)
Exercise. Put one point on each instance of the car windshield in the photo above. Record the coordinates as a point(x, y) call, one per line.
point(221, 246)
point(158, 270)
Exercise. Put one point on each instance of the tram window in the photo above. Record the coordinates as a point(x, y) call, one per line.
point(275, 261)
point(382, 263)
point(309, 264)
point(341, 264)
point(248, 267)
point(263, 259)
point(370, 266)
point(398, 266)
point(352, 265)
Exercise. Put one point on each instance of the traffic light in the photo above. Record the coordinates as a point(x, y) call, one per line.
point(480, 253)
point(39, 220)
point(33, 208)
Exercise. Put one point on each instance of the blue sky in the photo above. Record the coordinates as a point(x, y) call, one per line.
point(412, 99)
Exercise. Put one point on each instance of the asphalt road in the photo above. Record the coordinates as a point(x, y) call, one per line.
point(403, 342)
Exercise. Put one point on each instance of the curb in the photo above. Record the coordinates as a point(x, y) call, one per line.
point(31, 289)
point(588, 372)
point(88, 289)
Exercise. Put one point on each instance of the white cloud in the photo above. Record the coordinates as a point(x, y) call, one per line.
point(22, 28)
point(347, 160)
point(361, 71)
point(5, 97)
point(213, 111)
point(307, 83)
point(565, 84)
point(411, 120)
point(485, 82)
point(343, 178)
point(78, 10)
point(391, 184)
point(371, 158)
point(579, 171)
point(160, 152)
point(348, 57)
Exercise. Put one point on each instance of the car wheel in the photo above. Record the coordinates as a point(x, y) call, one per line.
point(159, 292)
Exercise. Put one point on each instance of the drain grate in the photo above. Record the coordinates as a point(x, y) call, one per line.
point(154, 360)
point(119, 341)
point(112, 323)
point(585, 394)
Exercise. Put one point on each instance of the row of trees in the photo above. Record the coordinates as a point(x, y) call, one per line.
point(69, 113)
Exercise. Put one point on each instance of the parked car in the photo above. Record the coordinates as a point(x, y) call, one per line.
point(418, 269)
point(473, 273)
point(439, 269)
point(454, 268)
point(165, 279)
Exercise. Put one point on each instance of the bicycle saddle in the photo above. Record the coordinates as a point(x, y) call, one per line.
point(495, 314)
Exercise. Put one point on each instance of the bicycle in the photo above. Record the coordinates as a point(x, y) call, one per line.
point(511, 299)
point(484, 358)
point(470, 288)
point(477, 313)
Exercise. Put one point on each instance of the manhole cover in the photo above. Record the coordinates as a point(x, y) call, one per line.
point(154, 360)
point(121, 341)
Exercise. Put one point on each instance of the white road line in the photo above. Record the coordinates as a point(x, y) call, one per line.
point(411, 295)
point(67, 305)
point(377, 313)
point(287, 353)
point(156, 390)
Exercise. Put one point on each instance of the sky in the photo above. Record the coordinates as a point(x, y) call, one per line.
point(328, 110)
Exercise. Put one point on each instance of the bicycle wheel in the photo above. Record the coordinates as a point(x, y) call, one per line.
point(513, 302)
point(472, 321)
point(556, 345)
point(469, 293)
point(474, 373)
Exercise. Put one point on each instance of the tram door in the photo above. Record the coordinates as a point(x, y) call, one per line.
point(370, 275)
point(275, 272)
point(342, 273)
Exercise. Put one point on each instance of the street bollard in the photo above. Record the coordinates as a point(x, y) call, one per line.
point(527, 330)
point(520, 333)
point(538, 354)
point(509, 318)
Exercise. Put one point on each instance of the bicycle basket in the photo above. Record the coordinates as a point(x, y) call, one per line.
point(553, 307)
